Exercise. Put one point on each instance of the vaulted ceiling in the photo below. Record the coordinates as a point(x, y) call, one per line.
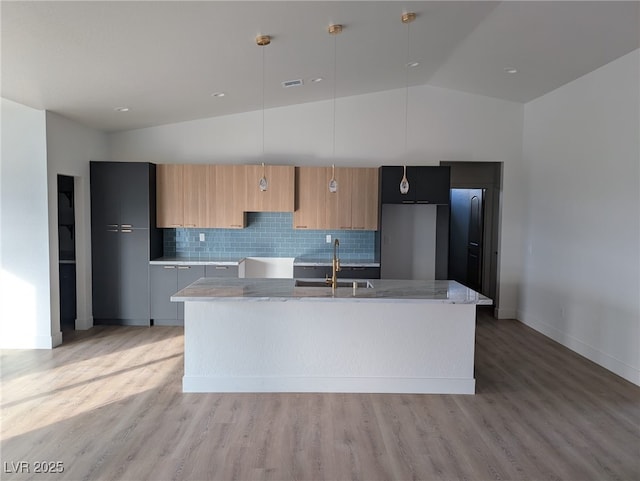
point(164, 60)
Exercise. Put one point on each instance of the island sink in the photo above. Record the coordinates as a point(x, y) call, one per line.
point(321, 283)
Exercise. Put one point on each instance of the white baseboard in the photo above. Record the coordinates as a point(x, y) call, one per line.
point(341, 385)
point(603, 359)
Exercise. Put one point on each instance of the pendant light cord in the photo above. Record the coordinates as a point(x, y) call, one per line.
point(334, 95)
point(263, 49)
point(406, 95)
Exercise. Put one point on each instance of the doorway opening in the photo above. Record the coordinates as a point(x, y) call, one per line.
point(67, 252)
point(466, 232)
point(474, 225)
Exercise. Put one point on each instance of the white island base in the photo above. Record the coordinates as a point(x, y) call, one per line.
point(307, 345)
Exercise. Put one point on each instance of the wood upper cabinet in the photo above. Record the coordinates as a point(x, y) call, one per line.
point(218, 196)
point(338, 204)
point(279, 196)
point(181, 193)
point(364, 199)
point(353, 206)
point(311, 192)
point(196, 195)
point(170, 195)
point(226, 209)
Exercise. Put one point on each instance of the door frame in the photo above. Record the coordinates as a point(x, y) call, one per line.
point(486, 176)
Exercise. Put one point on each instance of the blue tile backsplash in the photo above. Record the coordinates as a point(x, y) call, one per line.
point(268, 234)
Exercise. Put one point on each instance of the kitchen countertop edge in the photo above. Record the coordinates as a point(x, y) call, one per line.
point(284, 290)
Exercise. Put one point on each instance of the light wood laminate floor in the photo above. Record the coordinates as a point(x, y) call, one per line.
point(108, 406)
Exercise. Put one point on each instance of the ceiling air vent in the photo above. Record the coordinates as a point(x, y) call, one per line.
point(292, 83)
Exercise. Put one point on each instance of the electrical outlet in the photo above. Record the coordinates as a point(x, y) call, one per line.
point(328, 239)
point(201, 236)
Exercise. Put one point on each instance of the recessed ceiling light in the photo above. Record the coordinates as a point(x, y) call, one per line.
point(121, 109)
point(511, 70)
point(413, 64)
point(317, 79)
point(217, 94)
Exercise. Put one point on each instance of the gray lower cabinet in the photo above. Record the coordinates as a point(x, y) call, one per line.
point(311, 272)
point(166, 280)
point(360, 273)
point(221, 271)
point(346, 272)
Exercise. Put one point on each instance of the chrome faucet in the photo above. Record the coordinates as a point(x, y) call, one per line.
point(335, 266)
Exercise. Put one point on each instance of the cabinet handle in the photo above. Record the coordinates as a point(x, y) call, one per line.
point(236, 225)
point(175, 225)
point(221, 267)
point(168, 267)
point(342, 227)
point(184, 267)
point(126, 231)
point(112, 225)
point(189, 225)
point(358, 228)
point(126, 226)
point(301, 227)
point(423, 202)
point(112, 230)
point(408, 202)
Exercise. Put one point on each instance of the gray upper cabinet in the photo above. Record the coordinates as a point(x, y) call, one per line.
point(121, 193)
point(428, 184)
point(122, 241)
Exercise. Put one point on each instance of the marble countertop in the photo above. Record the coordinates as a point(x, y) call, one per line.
point(444, 292)
point(197, 261)
point(326, 261)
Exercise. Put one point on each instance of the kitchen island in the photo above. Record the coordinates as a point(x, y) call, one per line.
point(283, 335)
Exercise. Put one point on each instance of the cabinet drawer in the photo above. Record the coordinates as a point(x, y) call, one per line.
point(221, 271)
point(359, 273)
point(311, 272)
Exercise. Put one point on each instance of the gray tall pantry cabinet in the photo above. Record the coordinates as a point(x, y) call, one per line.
point(123, 241)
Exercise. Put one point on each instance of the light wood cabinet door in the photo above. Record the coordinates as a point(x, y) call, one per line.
point(169, 195)
point(353, 206)
point(338, 204)
point(229, 193)
point(279, 196)
point(311, 191)
point(195, 195)
point(364, 199)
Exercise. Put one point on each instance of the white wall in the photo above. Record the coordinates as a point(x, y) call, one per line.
point(443, 125)
point(582, 265)
point(24, 235)
point(70, 147)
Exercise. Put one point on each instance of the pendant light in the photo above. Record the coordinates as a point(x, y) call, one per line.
point(263, 41)
point(334, 30)
point(407, 18)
